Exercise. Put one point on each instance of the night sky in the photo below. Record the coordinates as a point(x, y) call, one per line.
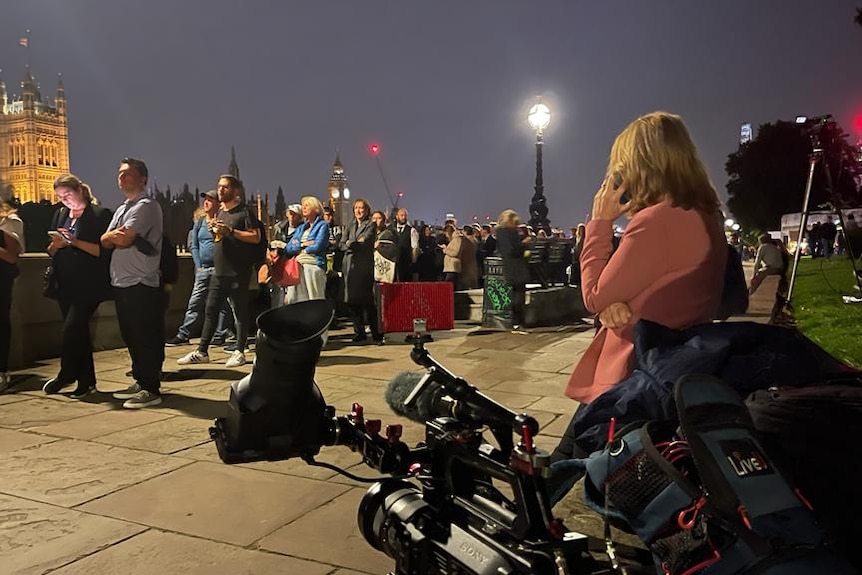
point(443, 86)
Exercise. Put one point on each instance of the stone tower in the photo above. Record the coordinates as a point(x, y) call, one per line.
point(339, 193)
point(34, 140)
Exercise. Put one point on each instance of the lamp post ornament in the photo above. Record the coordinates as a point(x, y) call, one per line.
point(539, 117)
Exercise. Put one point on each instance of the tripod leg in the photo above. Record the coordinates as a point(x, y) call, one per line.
point(812, 161)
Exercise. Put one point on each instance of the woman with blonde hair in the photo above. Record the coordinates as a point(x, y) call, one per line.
point(80, 266)
point(309, 244)
point(510, 246)
point(11, 245)
point(669, 265)
point(452, 253)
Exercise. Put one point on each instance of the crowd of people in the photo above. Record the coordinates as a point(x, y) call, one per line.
point(97, 256)
point(654, 177)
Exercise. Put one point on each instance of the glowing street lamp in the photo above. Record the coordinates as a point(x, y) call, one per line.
point(539, 117)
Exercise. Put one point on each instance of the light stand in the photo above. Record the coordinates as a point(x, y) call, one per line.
point(816, 156)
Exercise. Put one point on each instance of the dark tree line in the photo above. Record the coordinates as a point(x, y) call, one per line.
point(767, 176)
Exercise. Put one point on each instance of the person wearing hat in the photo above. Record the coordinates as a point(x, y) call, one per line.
point(284, 229)
point(282, 233)
point(201, 247)
point(234, 227)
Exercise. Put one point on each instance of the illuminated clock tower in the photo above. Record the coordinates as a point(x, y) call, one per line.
point(339, 193)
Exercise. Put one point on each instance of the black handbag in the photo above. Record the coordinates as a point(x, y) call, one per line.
point(50, 286)
point(734, 295)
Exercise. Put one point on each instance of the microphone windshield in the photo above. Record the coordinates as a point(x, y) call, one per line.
point(397, 391)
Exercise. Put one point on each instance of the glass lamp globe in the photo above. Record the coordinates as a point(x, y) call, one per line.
point(729, 222)
point(539, 116)
point(346, 193)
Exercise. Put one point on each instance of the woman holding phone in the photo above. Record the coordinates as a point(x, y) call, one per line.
point(669, 266)
point(81, 268)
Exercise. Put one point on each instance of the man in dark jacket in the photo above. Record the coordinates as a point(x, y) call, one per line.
point(408, 246)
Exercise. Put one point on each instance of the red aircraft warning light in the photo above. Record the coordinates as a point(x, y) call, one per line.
point(374, 149)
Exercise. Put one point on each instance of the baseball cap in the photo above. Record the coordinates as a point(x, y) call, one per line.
point(212, 194)
point(295, 208)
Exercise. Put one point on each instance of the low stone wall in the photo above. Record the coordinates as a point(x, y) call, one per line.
point(554, 306)
point(37, 324)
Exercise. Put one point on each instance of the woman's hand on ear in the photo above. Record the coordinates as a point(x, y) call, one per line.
point(606, 202)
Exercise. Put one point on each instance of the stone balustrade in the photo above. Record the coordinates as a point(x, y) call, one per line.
point(37, 324)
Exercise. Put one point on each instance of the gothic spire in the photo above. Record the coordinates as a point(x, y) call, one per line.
point(233, 168)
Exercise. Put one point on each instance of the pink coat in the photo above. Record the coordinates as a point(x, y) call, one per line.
point(668, 268)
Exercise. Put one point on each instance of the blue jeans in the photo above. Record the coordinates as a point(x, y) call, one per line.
point(194, 317)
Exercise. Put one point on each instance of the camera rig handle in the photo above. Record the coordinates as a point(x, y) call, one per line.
point(468, 403)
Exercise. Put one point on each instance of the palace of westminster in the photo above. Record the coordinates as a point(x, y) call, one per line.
point(34, 140)
point(34, 147)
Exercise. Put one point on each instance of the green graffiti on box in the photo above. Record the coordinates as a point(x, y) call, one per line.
point(499, 293)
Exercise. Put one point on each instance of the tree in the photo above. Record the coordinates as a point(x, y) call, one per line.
point(767, 176)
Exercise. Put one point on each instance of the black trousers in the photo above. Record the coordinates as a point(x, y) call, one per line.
point(362, 314)
point(140, 311)
point(519, 298)
point(222, 288)
point(76, 354)
point(6, 283)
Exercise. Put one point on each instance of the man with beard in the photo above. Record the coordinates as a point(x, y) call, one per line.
point(234, 231)
point(408, 246)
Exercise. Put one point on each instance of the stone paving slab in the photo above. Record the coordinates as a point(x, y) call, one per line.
point(12, 398)
point(41, 412)
point(156, 472)
point(11, 440)
point(336, 455)
point(167, 435)
point(338, 521)
point(557, 428)
point(216, 501)
point(159, 552)
point(69, 472)
point(98, 424)
point(35, 538)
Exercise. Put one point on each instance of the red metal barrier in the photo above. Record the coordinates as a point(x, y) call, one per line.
point(401, 303)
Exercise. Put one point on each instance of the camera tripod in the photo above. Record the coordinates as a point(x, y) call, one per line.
point(816, 156)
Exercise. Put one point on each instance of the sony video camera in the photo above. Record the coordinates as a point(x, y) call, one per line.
point(454, 503)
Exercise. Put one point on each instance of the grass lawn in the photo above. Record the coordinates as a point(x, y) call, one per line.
point(821, 313)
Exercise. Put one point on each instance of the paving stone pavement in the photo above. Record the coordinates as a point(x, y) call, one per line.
point(88, 487)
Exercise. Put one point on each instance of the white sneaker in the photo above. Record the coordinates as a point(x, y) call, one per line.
point(236, 359)
point(195, 356)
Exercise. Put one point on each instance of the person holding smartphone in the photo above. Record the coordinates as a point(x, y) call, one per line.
point(80, 267)
point(669, 266)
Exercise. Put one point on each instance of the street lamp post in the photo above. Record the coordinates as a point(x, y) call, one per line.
point(539, 117)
